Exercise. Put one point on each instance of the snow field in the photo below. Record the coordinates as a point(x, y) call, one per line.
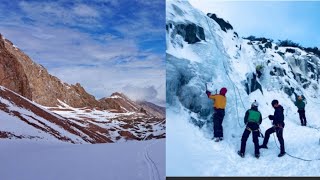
point(25, 160)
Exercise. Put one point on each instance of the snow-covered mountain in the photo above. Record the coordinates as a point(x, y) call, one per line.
point(204, 50)
point(23, 119)
point(119, 102)
point(54, 110)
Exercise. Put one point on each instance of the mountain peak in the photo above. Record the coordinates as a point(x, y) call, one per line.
point(118, 95)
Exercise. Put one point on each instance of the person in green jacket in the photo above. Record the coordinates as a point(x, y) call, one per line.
point(301, 105)
point(252, 119)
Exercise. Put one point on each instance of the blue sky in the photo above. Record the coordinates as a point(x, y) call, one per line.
point(294, 20)
point(106, 45)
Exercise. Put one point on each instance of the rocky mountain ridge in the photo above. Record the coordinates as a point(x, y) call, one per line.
point(21, 118)
point(37, 84)
point(37, 105)
point(22, 75)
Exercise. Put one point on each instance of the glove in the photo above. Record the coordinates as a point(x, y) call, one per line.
point(208, 93)
point(270, 117)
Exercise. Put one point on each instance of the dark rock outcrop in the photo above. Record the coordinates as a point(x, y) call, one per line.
point(252, 84)
point(191, 33)
point(12, 74)
point(222, 23)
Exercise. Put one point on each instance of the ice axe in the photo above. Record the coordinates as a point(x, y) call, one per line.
point(207, 88)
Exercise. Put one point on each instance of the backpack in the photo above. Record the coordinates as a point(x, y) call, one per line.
point(254, 116)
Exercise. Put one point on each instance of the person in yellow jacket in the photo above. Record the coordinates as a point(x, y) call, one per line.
point(219, 105)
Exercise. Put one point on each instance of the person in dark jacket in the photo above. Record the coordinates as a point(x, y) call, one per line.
point(219, 105)
point(252, 119)
point(278, 125)
point(302, 114)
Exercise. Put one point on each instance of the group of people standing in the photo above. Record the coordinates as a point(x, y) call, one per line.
point(253, 119)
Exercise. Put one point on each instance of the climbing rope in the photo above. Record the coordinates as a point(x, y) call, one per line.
point(232, 83)
point(295, 157)
point(234, 88)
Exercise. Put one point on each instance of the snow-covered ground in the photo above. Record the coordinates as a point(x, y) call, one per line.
point(229, 61)
point(191, 152)
point(30, 160)
point(115, 122)
point(22, 118)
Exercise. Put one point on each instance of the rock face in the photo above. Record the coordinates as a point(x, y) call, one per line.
point(252, 84)
point(29, 79)
point(12, 74)
point(191, 33)
point(222, 23)
point(153, 109)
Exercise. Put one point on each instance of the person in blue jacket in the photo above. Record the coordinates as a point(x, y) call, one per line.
point(278, 125)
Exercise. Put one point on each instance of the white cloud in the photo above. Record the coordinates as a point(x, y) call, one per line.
point(140, 93)
point(52, 13)
point(102, 63)
point(85, 11)
point(34, 9)
point(67, 46)
point(103, 81)
point(142, 26)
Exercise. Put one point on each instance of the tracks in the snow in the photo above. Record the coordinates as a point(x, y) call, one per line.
point(152, 167)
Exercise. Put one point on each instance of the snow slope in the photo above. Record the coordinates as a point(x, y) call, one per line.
point(21, 118)
point(225, 60)
point(25, 160)
point(121, 126)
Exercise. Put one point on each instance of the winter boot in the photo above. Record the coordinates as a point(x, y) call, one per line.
point(241, 154)
point(220, 138)
point(216, 139)
point(281, 154)
point(257, 156)
point(263, 146)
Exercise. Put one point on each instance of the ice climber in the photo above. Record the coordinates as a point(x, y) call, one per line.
point(300, 105)
point(278, 125)
point(252, 119)
point(219, 105)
